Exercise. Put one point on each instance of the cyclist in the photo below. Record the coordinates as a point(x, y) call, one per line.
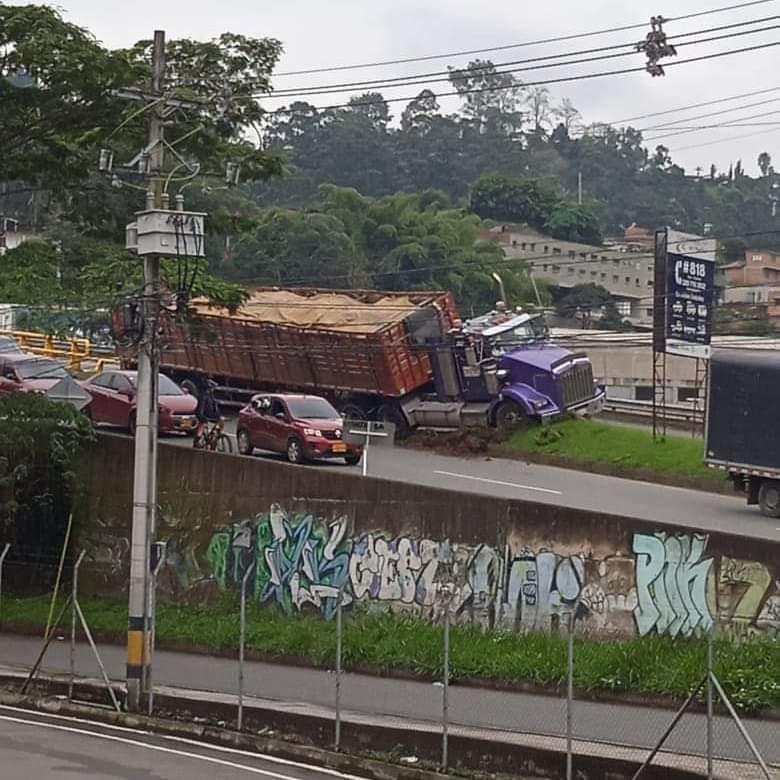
point(207, 411)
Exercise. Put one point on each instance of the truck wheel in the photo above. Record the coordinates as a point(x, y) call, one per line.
point(769, 498)
point(244, 442)
point(294, 451)
point(390, 413)
point(509, 415)
point(353, 412)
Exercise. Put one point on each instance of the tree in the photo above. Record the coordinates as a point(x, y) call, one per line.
point(573, 222)
point(417, 117)
point(568, 115)
point(513, 199)
point(582, 301)
point(764, 163)
point(56, 86)
point(487, 92)
point(538, 102)
point(41, 444)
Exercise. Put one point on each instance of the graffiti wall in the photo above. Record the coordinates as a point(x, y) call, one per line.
point(302, 538)
point(668, 585)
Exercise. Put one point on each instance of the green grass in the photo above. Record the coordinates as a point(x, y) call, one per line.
point(584, 440)
point(653, 666)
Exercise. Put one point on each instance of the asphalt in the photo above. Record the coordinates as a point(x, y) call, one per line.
point(505, 478)
point(483, 709)
point(46, 746)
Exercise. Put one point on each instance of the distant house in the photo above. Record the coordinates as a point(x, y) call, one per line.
point(755, 280)
point(12, 234)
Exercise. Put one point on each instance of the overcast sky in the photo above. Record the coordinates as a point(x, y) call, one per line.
point(338, 32)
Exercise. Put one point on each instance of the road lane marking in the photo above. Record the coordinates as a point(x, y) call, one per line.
point(184, 740)
point(499, 482)
point(160, 748)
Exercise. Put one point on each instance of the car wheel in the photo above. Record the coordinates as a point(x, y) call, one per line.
point(352, 460)
point(295, 451)
point(131, 424)
point(244, 442)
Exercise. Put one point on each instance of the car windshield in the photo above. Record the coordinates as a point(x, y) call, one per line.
point(39, 369)
point(311, 409)
point(166, 385)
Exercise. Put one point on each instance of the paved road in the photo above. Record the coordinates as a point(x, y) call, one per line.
point(45, 746)
point(477, 708)
point(563, 487)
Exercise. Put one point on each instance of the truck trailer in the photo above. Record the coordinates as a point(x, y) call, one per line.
point(402, 357)
point(743, 423)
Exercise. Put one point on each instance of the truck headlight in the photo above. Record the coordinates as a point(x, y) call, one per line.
point(502, 374)
point(539, 403)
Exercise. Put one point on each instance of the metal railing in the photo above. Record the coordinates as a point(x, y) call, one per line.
point(683, 413)
point(75, 351)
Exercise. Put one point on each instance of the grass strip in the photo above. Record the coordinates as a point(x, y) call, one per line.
point(652, 666)
point(583, 440)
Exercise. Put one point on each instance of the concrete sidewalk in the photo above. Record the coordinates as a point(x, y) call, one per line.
point(480, 710)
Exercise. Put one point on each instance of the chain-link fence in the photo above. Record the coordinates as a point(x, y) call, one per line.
point(582, 699)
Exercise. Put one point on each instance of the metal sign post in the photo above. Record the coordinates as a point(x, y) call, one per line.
point(378, 430)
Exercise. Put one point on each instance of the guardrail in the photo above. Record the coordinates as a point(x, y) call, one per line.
point(681, 413)
point(75, 351)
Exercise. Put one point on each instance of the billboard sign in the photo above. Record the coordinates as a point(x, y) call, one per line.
point(690, 298)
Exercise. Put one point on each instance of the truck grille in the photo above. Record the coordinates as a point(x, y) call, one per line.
point(577, 384)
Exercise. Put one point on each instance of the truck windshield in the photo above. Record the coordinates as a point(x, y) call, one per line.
point(533, 330)
point(311, 409)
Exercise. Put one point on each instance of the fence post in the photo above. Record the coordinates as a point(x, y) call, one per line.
point(446, 592)
point(241, 641)
point(710, 721)
point(570, 697)
point(339, 651)
point(73, 602)
point(2, 561)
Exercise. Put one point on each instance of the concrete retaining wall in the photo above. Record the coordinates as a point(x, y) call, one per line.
point(514, 565)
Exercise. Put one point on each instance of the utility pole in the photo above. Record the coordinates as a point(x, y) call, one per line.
point(145, 476)
point(579, 188)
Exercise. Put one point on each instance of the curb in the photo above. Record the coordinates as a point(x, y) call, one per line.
point(477, 753)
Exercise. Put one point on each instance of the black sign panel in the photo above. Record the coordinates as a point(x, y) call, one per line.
point(690, 291)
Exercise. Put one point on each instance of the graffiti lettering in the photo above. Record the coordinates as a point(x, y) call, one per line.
point(671, 582)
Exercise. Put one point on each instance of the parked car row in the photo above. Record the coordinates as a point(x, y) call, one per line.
point(302, 427)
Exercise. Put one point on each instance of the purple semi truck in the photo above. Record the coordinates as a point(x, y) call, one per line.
point(501, 368)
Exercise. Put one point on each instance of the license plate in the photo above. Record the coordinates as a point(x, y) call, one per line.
point(187, 424)
point(339, 447)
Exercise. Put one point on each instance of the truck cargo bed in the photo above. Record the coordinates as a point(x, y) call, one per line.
point(314, 340)
point(743, 415)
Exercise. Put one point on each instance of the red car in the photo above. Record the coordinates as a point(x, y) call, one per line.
point(303, 427)
point(20, 372)
point(114, 401)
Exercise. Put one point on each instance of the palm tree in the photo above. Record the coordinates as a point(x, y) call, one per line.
point(764, 162)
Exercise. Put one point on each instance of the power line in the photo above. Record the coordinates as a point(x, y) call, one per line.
point(721, 124)
point(561, 80)
point(672, 125)
point(723, 140)
point(692, 106)
point(444, 76)
point(505, 47)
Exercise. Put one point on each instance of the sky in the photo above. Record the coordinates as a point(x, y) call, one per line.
point(342, 32)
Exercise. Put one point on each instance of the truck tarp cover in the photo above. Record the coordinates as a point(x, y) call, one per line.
point(330, 311)
point(743, 424)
